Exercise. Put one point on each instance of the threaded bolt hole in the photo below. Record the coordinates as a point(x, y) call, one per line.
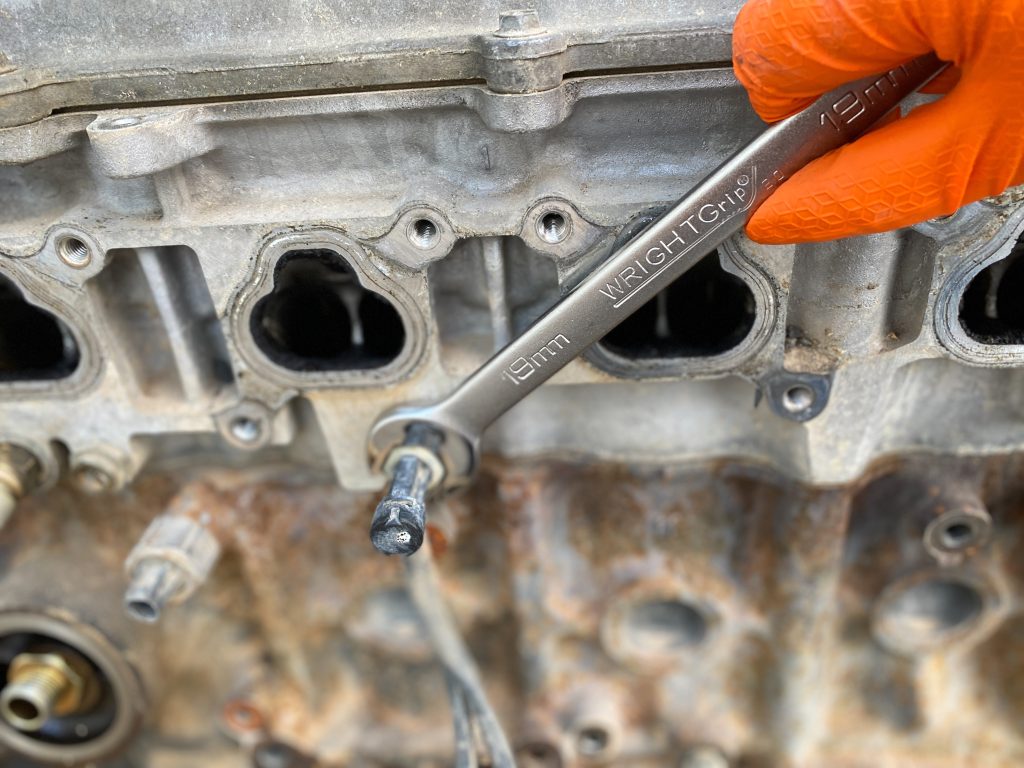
point(73, 252)
point(797, 398)
point(246, 430)
point(553, 227)
point(424, 233)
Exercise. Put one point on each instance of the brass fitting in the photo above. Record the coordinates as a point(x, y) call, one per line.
point(19, 474)
point(40, 686)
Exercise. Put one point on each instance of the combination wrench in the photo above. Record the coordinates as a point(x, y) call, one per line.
point(435, 447)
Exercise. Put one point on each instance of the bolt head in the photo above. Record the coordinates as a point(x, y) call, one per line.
point(519, 23)
point(397, 527)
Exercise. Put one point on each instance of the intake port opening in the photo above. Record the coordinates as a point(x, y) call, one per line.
point(34, 344)
point(320, 318)
point(991, 310)
point(705, 312)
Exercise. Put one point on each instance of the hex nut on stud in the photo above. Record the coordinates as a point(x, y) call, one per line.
point(174, 556)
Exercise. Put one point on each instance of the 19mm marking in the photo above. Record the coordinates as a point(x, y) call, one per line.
point(521, 368)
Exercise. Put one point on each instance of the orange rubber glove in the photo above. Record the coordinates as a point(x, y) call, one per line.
point(967, 145)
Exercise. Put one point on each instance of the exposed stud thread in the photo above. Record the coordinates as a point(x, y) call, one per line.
point(29, 702)
point(40, 686)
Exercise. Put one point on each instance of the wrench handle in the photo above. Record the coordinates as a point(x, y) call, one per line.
point(713, 211)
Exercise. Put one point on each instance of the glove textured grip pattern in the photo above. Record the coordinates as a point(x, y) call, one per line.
point(967, 145)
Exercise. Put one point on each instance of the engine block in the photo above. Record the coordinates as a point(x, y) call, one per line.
point(767, 521)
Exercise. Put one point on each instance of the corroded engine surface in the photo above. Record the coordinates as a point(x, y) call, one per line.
point(769, 520)
point(621, 615)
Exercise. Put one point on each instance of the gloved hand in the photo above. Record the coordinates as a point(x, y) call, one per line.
point(967, 145)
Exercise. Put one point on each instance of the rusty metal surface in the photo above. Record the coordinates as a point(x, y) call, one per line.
point(620, 615)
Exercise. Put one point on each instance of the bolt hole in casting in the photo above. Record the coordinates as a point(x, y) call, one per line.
point(797, 398)
point(553, 227)
point(320, 318)
point(246, 430)
point(74, 252)
point(424, 234)
point(957, 533)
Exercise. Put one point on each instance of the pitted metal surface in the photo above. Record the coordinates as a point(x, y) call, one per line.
point(647, 610)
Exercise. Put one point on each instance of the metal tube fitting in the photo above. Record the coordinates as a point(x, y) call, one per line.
point(40, 686)
point(400, 520)
point(8, 502)
point(19, 474)
point(174, 556)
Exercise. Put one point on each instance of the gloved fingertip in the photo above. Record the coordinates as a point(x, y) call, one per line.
point(763, 230)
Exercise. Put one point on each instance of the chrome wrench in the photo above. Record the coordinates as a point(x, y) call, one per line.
point(436, 446)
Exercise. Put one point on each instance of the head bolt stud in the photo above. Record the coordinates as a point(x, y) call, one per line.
point(400, 520)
